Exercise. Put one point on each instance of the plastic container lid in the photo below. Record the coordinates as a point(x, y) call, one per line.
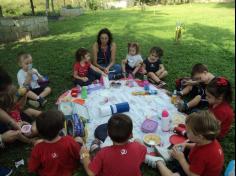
point(165, 113)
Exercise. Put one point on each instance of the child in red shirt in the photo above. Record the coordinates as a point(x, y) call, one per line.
point(84, 72)
point(55, 155)
point(219, 96)
point(206, 157)
point(123, 158)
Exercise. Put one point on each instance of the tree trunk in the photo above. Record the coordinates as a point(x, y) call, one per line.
point(32, 7)
point(52, 5)
point(64, 3)
point(1, 14)
point(47, 7)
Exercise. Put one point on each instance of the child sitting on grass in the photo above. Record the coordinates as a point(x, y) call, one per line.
point(9, 103)
point(123, 158)
point(133, 61)
point(206, 156)
point(195, 89)
point(55, 155)
point(154, 68)
point(28, 77)
point(219, 96)
point(84, 72)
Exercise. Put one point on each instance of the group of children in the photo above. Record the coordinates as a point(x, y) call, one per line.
point(85, 73)
point(60, 155)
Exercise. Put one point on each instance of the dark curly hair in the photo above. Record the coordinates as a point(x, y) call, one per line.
point(80, 53)
point(157, 50)
point(104, 31)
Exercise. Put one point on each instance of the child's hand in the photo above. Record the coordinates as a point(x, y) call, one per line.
point(85, 79)
point(84, 150)
point(175, 153)
point(106, 70)
point(104, 74)
point(182, 146)
point(21, 123)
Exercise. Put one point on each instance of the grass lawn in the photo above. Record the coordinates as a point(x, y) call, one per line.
point(209, 37)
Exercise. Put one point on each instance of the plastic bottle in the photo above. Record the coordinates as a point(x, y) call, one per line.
point(145, 83)
point(174, 98)
point(84, 92)
point(165, 121)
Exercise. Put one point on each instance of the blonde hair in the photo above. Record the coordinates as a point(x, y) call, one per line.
point(204, 123)
point(22, 56)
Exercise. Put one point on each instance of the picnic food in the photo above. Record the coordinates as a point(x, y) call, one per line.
point(178, 119)
point(151, 139)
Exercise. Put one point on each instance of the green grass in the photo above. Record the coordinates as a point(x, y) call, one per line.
point(208, 38)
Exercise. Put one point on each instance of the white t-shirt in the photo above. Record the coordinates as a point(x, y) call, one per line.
point(133, 60)
point(21, 77)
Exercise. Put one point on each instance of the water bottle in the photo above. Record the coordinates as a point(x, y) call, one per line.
point(165, 121)
point(84, 92)
point(146, 83)
point(174, 98)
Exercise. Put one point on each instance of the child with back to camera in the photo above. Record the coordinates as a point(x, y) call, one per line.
point(219, 95)
point(123, 158)
point(154, 67)
point(133, 61)
point(84, 72)
point(55, 155)
point(28, 77)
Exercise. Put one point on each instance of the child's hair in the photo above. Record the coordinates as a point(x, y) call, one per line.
point(5, 80)
point(120, 128)
point(134, 45)
point(199, 68)
point(220, 86)
point(8, 98)
point(21, 56)
point(50, 123)
point(104, 31)
point(157, 50)
point(80, 53)
point(204, 123)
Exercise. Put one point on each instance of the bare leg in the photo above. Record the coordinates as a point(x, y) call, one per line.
point(123, 62)
point(163, 74)
point(194, 102)
point(164, 171)
point(154, 77)
point(46, 92)
point(136, 69)
point(32, 95)
point(32, 112)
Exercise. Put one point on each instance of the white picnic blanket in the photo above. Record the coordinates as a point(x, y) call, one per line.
point(141, 107)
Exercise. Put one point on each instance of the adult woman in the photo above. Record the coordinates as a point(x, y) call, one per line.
point(104, 53)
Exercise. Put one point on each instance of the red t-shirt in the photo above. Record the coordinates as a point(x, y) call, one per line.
point(82, 70)
point(207, 160)
point(124, 160)
point(15, 113)
point(53, 159)
point(224, 113)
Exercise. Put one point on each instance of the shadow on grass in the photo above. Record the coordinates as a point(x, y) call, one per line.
point(230, 5)
point(54, 56)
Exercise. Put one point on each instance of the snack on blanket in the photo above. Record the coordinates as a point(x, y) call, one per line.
point(178, 119)
point(151, 139)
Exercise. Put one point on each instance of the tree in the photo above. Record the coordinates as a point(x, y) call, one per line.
point(1, 14)
point(52, 5)
point(47, 7)
point(32, 6)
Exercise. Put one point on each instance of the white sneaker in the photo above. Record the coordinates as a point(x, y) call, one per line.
point(164, 153)
point(152, 160)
